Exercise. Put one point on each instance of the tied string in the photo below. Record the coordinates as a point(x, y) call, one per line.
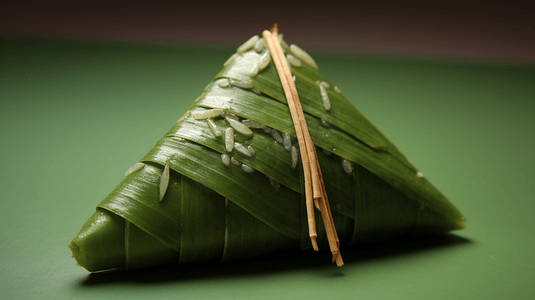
point(314, 187)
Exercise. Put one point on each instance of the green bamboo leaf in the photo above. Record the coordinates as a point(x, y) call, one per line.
point(136, 200)
point(279, 209)
point(339, 186)
point(105, 249)
point(274, 113)
point(144, 250)
point(247, 236)
point(343, 115)
point(215, 210)
point(203, 219)
point(394, 213)
point(271, 159)
point(275, 162)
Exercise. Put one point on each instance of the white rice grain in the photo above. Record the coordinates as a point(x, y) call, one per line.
point(288, 64)
point(223, 83)
point(248, 44)
point(240, 127)
point(164, 181)
point(325, 123)
point(229, 139)
point(240, 84)
point(260, 45)
point(347, 165)
point(293, 61)
point(242, 150)
point(235, 161)
point(303, 56)
point(337, 89)
point(247, 169)
point(230, 115)
point(253, 124)
point(215, 130)
point(251, 150)
point(276, 136)
point(293, 77)
point(287, 141)
point(295, 156)
point(254, 70)
point(264, 60)
point(325, 98)
point(225, 159)
point(325, 84)
point(205, 114)
point(420, 175)
point(132, 169)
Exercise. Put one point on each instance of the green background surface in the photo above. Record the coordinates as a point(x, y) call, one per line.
point(75, 115)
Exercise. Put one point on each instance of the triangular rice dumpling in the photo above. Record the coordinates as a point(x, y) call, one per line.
point(226, 181)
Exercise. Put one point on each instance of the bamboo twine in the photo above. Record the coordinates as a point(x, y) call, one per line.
point(314, 187)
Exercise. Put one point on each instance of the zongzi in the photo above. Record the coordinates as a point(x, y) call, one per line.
point(226, 182)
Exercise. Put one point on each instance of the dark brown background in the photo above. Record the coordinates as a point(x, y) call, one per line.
point(501, 31)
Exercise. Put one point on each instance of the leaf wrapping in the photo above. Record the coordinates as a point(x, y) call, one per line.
point(215, 212)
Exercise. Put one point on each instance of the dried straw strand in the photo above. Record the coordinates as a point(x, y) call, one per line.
point(314, 187)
